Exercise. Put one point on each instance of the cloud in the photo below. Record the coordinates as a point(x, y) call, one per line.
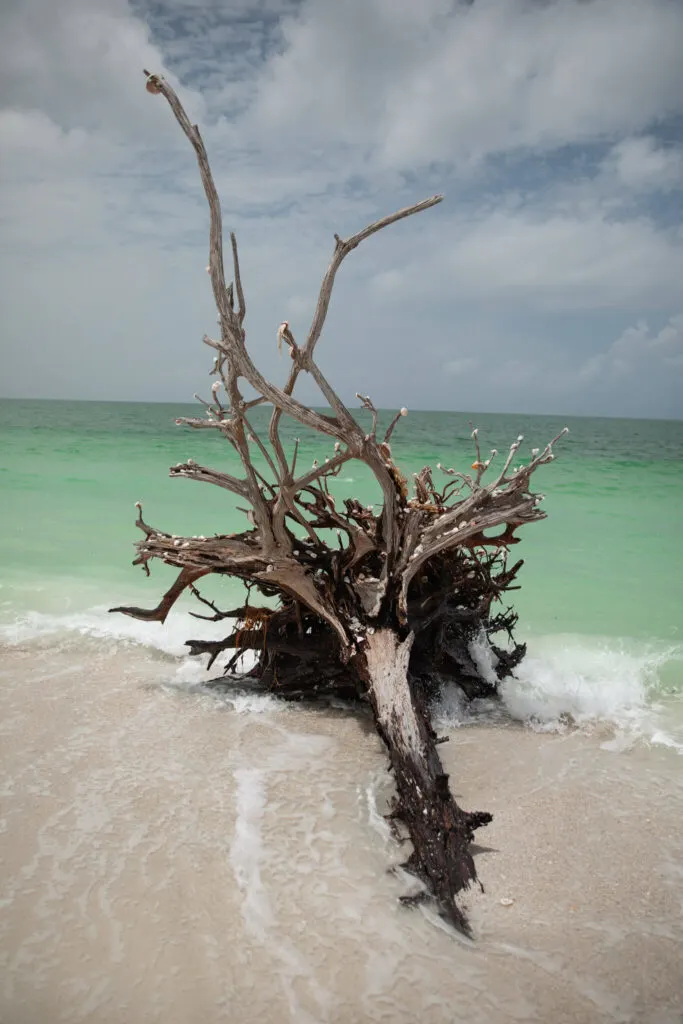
point(640, 350)
point(437, 81)
point(551, 127)
point(643, 163)
point(79, 64)
point(561, 261)
point(543, 256)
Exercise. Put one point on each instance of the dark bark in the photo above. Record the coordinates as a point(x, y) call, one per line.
point(440, 832)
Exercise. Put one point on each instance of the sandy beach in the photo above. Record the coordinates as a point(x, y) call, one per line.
point(169, 855)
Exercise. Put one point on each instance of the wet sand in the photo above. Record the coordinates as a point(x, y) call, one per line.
point(171, 856)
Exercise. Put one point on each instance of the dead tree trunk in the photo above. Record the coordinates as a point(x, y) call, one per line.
point(440, 831)
point(394, 610)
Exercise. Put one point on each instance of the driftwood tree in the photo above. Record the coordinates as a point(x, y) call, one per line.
point(388, 611)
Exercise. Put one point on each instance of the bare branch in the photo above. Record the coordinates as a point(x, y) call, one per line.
point(367, 403)
point(186, 578)
point(199, 424)
point(262, 448)
point(325, 469)
point(216, 224)
point(392, 425)
point(242, 306)
point(342, 248)
point(191, 471)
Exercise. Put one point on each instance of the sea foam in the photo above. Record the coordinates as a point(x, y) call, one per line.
point(565, 681)
point(99, 624)
point(581, 682)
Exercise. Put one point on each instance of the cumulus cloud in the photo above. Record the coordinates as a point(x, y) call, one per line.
point(639, 349)
point(443, 81)
point(79, 64)
point(644, 163)
point(562, 261)
point(544, 256)
point(553, 129)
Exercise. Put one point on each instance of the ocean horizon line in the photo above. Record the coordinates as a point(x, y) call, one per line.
point(388, 409)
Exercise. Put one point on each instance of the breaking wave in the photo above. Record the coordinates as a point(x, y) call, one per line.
point(565, 682)
point(568, 682)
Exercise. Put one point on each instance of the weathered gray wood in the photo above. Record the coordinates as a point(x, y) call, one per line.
point(396, 602)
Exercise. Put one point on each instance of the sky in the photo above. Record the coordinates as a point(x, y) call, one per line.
point(550, 280)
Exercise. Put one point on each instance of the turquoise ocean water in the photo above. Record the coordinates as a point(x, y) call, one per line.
point(602, 587)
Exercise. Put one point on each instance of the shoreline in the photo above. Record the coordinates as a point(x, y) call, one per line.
point(167, 853)
point(594, 866)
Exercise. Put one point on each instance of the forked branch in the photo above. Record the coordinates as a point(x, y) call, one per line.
point(384, 605)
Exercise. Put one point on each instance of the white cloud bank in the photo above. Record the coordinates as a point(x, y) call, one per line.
point(553, 128)
point(437, 80)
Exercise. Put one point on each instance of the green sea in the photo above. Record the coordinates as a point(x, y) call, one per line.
point(602, 585)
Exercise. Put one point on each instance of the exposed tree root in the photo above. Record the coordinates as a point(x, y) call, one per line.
point(405, 601)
